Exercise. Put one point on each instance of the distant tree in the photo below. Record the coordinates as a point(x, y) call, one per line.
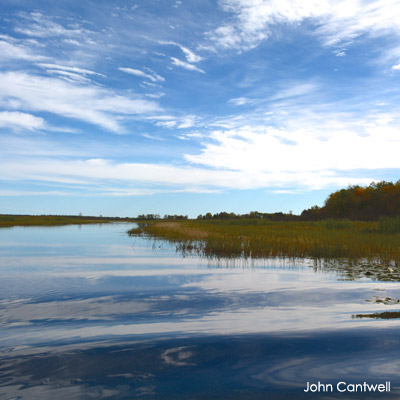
point(175, 217)
point(381, 199)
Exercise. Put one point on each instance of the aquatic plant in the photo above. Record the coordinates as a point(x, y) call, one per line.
point(389, 225)
point(355, 241)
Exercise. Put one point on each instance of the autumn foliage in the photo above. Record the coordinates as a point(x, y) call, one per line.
point(377, 200)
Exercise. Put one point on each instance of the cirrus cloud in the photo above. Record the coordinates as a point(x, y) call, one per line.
point(335, 22)
point(19, 120)
point(88, 103)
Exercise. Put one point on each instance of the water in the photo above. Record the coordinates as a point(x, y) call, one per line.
point(90, 313)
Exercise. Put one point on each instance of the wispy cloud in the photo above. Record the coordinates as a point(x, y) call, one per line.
point(167, 124)
point(180, 122)
point(183, 64)
point(336, 23)
point(188, 122)
point(19, 120)
point(155, 95)
point(88, 103)
point(97, 172)
point(190, 55)
point(38, 25)
point(294, 89)
point(67, 68)
point(240, 101)
point(103, 192)
point(153, 77)
point(11, 50)
point(69, 76)
point(153, 137)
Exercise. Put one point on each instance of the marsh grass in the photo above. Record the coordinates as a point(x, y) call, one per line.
point(354, 241)
point(389, 225)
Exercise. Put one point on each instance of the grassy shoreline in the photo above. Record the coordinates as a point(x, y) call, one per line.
point(9, 221)
point(355, 241)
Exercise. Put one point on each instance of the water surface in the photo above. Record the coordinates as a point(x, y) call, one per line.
point(87, 312)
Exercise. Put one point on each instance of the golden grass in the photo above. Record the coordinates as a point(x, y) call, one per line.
point(324, 240)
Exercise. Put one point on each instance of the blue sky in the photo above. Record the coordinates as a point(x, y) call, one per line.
point(127, 107)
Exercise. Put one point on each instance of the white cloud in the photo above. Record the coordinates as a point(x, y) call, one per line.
point(167, 124)
point(18, 120)
point(155, 95)
point(397, 66)
point(185, 65)
point(87, 193)
point(91, 104)
point(191, 57)
point(39, 25)
point(69, 76)
point(168, 121)
point(336, 22)
point(305, 153)
point(239, 101)
point(11, 50)
point(146, 84)
point(254, 18)
point(153, 77)
point(75, 70)
point(191, 136)
point(294, 89)
point(347, 20)
point(297, 151)
point(187, 122)
point(154, 74)
point(97, 172)
point(152, 137)
point(14, 193)
point(72, 41)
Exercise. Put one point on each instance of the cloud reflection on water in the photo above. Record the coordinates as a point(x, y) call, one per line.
point(130, 323)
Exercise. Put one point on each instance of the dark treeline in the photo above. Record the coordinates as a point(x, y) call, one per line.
point(152, 217)
point(377, 200)
point(279, 216)
point(368, 203)
point(381, 199)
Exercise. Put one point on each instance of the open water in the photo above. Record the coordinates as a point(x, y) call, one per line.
point(87, 312)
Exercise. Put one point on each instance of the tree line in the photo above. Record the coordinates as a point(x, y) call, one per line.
point(381, 199)
point(151, 217)
point(251, 215)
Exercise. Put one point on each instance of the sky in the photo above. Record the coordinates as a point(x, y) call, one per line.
point(127, 107)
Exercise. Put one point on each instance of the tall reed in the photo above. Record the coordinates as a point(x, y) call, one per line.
point(328, 240)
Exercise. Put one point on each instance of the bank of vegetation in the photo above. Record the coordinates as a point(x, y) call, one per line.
point(8, 220)
point(357, 224)
point(354, 241)
point(368, 203)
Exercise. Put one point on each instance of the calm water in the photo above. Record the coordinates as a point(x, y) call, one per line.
point(90, 313)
